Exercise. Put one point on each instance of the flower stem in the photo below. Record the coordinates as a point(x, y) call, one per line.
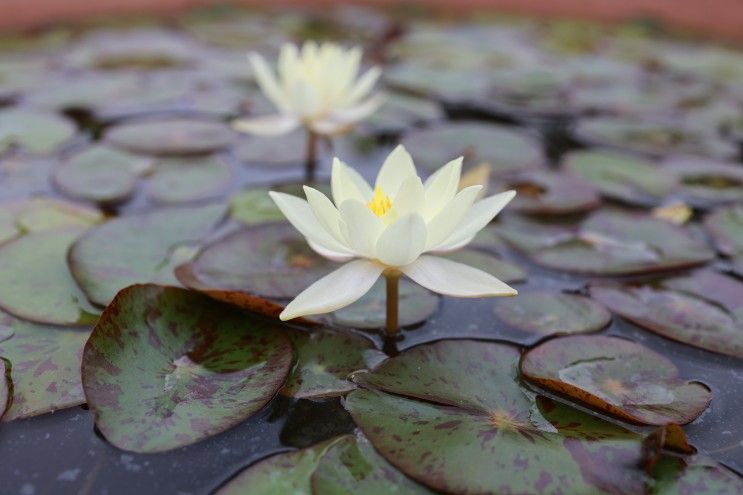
point(310, 163)
point(392, 277)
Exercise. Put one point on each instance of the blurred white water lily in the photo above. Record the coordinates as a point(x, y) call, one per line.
point(317, 87)
point(390, 228)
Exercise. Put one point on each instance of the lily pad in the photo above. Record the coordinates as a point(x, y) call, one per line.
point(325, 359)
point(622, 177)
point(170, 137)
point(507, 150)
point(454, 415)
point(285, 150)
point(704, 309)
point(706, 183)
point(45, 367)
point(33, 130)
point(547, 313)
point(165, 367)
point(549, 193)
point(40, 213)
point(255, 206)
point(183, 180)
point(400, 112)
point(725, 226)
point(136, 248)
point(616, 376)
point(609, 242)
point(35, 281)
point(696, 475)
point(489, 263)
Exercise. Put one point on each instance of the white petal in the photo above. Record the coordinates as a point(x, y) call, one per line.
point(396, 169)
point(325, 212)
point(451, 215)
point(270, 125)
point(475, 220)
point(455, 279)
point(442, 186)
point(336, 290)
point(365, 84)
point(300, 214)
point(331, 255)
point(346, 183)
point(360, 227)
point(265, 78)
point(403, 240)
point(410, 198)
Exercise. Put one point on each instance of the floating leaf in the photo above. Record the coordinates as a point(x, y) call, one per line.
point(706, 183)
point(454, 416)
point(616, 376)
point(619, 176)
point(39, 214)
point(546, 313)
point(400, 112)
point(33, 130)
point(505, 149)
point(45, 367)
point(136, 248)
point(35, 281)
point(696, 475)
point(704, 309)
point(170, 137)
point(325, 359)
point(255, 206)
point(165, 367)
point(488, 263)
point(287, 149)
point(725, 226)
point(546, 193)
point(178, 180)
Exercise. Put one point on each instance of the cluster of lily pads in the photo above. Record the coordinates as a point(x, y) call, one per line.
point(143, 264)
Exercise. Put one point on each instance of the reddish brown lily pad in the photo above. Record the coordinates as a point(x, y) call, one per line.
point(165, 367)
point(616, 376)
point(171, 137)
point(549, 193)
point(546, 313)
point(706, 183)
point(725, 226)
point(704, 309)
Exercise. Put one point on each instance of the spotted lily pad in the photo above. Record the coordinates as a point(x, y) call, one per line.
point(609, 242)
point(548, 193)
point(165, 367)
point(706, 183)
point(136, 248)
point(170, 137)
point(505, 149)
point(704, 309)
point(325, 359)
point(725, 226)
point(44, 367)
point(454, 415)
point(616, 376)
point(182, 180)
point(33, 130)
point(547, 313)
point(35, 281)
point(696, 475)
point(621, 177)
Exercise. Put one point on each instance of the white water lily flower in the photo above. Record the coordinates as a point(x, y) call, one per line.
point(391, 226)
point(317, 87)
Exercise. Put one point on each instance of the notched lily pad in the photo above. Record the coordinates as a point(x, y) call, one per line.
point(549, 193)
point(704, 309)
point(170, 136)
point(547, 313)
point(44, 367)
point(616, 376)
point(706, 183)
point(36, 283)
point(33, 130)
point(725, 226)
point(137, 248)
point(165, 367)
point(454, 415)
point(325, 358)
point(179, 180)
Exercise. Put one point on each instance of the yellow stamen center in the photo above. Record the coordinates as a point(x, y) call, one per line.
point(380, 203)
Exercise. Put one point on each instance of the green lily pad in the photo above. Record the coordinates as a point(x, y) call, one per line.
point(547, 313)
point(136, 248)
point(416, 305)
point(697, 475)
point(5, 384)
point(704, 309)
point(353, 466)
point(450, 86)
point(706, 183)
point(609, 242)
point(255, 206)
point(549, 193)
point(280, 474)
point(45, 367)
point(618, 377)
point(40, 213)
point(33, 130)
point(505, 149)
point(725, 226)
point(178, 180)
point(622, 177)
point(454, 415)
point(325, 359)
point(488, 262)
point(35, 281)
point(165, 367)
point(284, 150)
point(170, 137)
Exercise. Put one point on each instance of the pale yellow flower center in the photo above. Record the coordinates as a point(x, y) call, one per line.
point(380, 203)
